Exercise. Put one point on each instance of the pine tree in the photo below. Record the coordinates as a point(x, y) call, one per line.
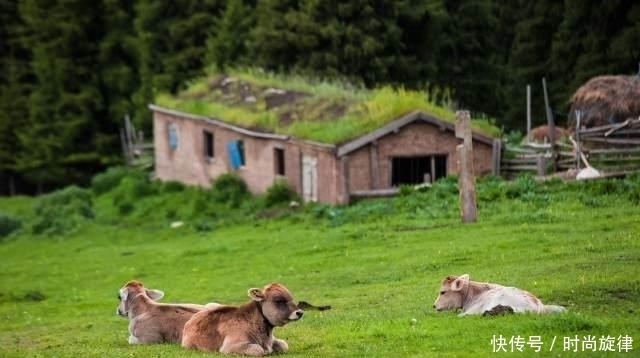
point(529, 60)
point(58, 142)
point(272, 43)
point(468, 55)
point(172, 46)
point(227, 42)
point(581, 46)
point(15, 85)
point(118, 77)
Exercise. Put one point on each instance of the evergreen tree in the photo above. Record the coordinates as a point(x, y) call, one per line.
point(581, 46)
point(15, 85)
point(529, 60)
point(58, 142)
point(172, 46)
point(227, 42)
point(117, 76)
point(469, 55)
point(363, 40)
point(272, 42)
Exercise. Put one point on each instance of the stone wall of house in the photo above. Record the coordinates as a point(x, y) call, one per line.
point(188, 163)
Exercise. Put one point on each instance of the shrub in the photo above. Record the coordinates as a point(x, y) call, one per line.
point(446, 187)
point(230, 189)
point(172, 186)
point(490, 189)
point(62, 211)
point(8, 224)
point(108, 180)
point(280, 193)
point(524, 186)
point(133, 187)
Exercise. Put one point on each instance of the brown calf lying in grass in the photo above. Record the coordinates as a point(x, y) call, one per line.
point(245, 329)
point(150, 321)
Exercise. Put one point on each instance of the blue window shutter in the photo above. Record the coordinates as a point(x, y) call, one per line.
point(234, 154)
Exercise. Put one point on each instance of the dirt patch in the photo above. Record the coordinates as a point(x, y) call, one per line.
point(499, 310)
point(276, 97)
point(620, 294)
point(29, 296)
point(288, 105)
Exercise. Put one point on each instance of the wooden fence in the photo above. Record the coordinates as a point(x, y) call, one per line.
point(536, 159)
point(612, 149)
point(135, 150)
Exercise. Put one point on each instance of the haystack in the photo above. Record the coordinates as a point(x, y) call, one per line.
point(605, 100)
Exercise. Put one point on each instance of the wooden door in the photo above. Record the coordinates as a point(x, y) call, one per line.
point(309, 178)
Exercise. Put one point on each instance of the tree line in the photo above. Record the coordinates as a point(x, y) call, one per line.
point(70, 70)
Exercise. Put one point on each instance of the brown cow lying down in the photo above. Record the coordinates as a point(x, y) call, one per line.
point(477, 297)
point(245, 329)
point(152, 322)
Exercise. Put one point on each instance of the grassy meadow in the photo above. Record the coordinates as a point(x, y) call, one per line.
point(377, 263)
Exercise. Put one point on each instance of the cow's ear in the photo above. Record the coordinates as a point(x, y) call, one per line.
point(460, 282)
point(256, 294)
point(154, 294)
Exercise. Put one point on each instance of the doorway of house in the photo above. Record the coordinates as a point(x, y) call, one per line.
point(309, 178)
point(418, 169)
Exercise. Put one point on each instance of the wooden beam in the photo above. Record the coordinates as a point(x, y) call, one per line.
point(550, 122)
point(344, 180)
point(496, 157)
point(374, 170)
point(466, 179)
point(528, 112)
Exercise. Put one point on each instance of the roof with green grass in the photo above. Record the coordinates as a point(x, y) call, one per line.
point(321, 111)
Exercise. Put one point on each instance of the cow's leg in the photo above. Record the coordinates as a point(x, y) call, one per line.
point(280, 345)
point(134, 340)
point(246, 348)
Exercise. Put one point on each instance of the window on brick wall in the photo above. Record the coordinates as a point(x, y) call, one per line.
point(172, 134)
point(278, 161)
point(208, 144)
point(418, 169)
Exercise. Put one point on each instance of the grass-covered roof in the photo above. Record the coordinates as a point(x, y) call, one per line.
point(322, 111)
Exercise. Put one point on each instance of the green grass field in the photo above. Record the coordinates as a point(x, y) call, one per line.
point(378, 264)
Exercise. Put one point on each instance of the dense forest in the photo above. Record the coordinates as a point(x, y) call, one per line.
point(70, 70)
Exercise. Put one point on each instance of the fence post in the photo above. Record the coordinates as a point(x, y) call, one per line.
point(466, 184)
point(552, 126)
point(541, 164)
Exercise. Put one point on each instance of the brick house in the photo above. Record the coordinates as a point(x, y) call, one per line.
point(413, 149)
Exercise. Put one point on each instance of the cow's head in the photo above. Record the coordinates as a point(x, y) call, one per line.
point(130, 291)
point(276, 303)
point(452, 292)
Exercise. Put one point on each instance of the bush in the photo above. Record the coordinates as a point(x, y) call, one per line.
point(524, 186)
point(490, 189)
point(8, 224)
point(230, 189)
point(133, 187)
point(172, 186)
point(62, 211)
point(280, 193)
point(108, 180)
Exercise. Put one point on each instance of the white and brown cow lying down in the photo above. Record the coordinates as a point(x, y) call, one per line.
point(246, 329)
point(479, 297)
point(150, 321)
